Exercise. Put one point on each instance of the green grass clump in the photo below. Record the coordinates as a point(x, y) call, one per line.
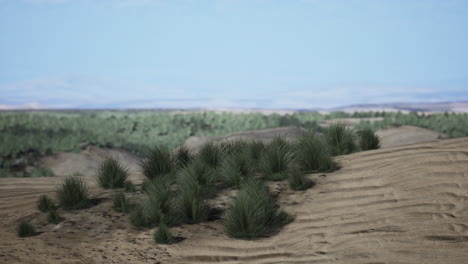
point(191, 202)
point(253, 212)
point(182, 157)
point(121, 203)
point(73, 193)
point(54, 217)
point(340, 139)
point(236, 168)
point(45, 203)
point(277, 160)
point(211, 154)
point(255, 149)
point(111, 174)
point(129, 186)
point(313, 154)
point(157, 162)
point(25, 229)
point(368, 139)
point(163, 234)
point(231, 147)
point(41, 172)
point(298, 181)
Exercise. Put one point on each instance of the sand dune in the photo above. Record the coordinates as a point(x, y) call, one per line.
point(406, 135)
point(406, 204)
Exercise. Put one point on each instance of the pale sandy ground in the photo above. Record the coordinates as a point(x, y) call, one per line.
point(406, 135)
point(405, 204)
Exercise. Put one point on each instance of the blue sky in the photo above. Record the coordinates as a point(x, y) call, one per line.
point(232, 53)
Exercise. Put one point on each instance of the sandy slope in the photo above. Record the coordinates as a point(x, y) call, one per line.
point(406, 135)
point(406, 204)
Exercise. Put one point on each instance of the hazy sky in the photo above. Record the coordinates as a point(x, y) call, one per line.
point(232, 53)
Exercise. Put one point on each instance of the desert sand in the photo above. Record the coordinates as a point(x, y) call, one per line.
point(406, 204)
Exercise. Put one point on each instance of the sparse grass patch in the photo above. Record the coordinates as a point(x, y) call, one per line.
point(313, 154)
point(163, 234)
point(25, 229)
point(277, 159)
point(45, 203)
point(41, 172)
point(111, 174)
point(129, 186)
point(340, 139)
point(54, 217)
point(157, 162)
point(73, 193)
point(368, 139)
point(253, 212)
point(298, 181)
point(121, 203)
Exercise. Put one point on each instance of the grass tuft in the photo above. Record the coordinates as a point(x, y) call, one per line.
point(277, 159)
point(111, 174)
point(73, 193)
point(41, 172)
point(211, 154)
point(298, 181)
point(163, 234)
point(182, 157)
point(236, 169)
point(45, 203)
point(121, 203)
point(191, 201)
point(129, 186)
point(157, 162)
point(25, 229)
point(340, 139)
point(253, 212)
point(54, 217)
point(368, 139)
point(312, 153)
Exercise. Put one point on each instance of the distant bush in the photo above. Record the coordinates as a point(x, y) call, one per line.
point(41, 172)
point(162, 235)
point(45, 203)
point(253, 212)
point(236, 168)
point(73, 193)
point(277, 159)
point(340, 139)
point(298, 181)
point(211, 154)
point(157, 162)
point(54, 217)
point(182, 157)
point(25, 229)
point(111, 174)
point(313, 154)
point(368, 139)
point(129, 186)
point(121, 203)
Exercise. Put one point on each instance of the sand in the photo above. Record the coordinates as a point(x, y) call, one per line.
point(406, 204)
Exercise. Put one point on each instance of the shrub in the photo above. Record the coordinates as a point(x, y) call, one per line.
point(277, 159)
point(211, 154)
point(312, 153)
point(157, 162)
point(41, 172)
point(162, 235)
point(129, 186)
point(253, 212)
point(54, 217)
point(121, 203)
point(368, 139)
point(340, 139)
point(235, 169)
point(25, 229)
point(111, 174)
point(298, 181)
point(73, 193)
point(182, 157)
point(45, 203)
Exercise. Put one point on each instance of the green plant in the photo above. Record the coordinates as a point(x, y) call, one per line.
point(45, 203)
point(182, 157)
point(54, 217)
point(25, 229)
point(298, 181)
point(277, 159)
point(253, 212)
point(111, 174)
point(73, 193)
point(236, 168)
point(121, 203)
point(163, 235)
point(41, 172)
point(211, 154)
point(191, 201)
point(368, 139)
point(129, 186)
point(137, 217)
point(157, 162)
point(312, 153)
point(340, 139)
